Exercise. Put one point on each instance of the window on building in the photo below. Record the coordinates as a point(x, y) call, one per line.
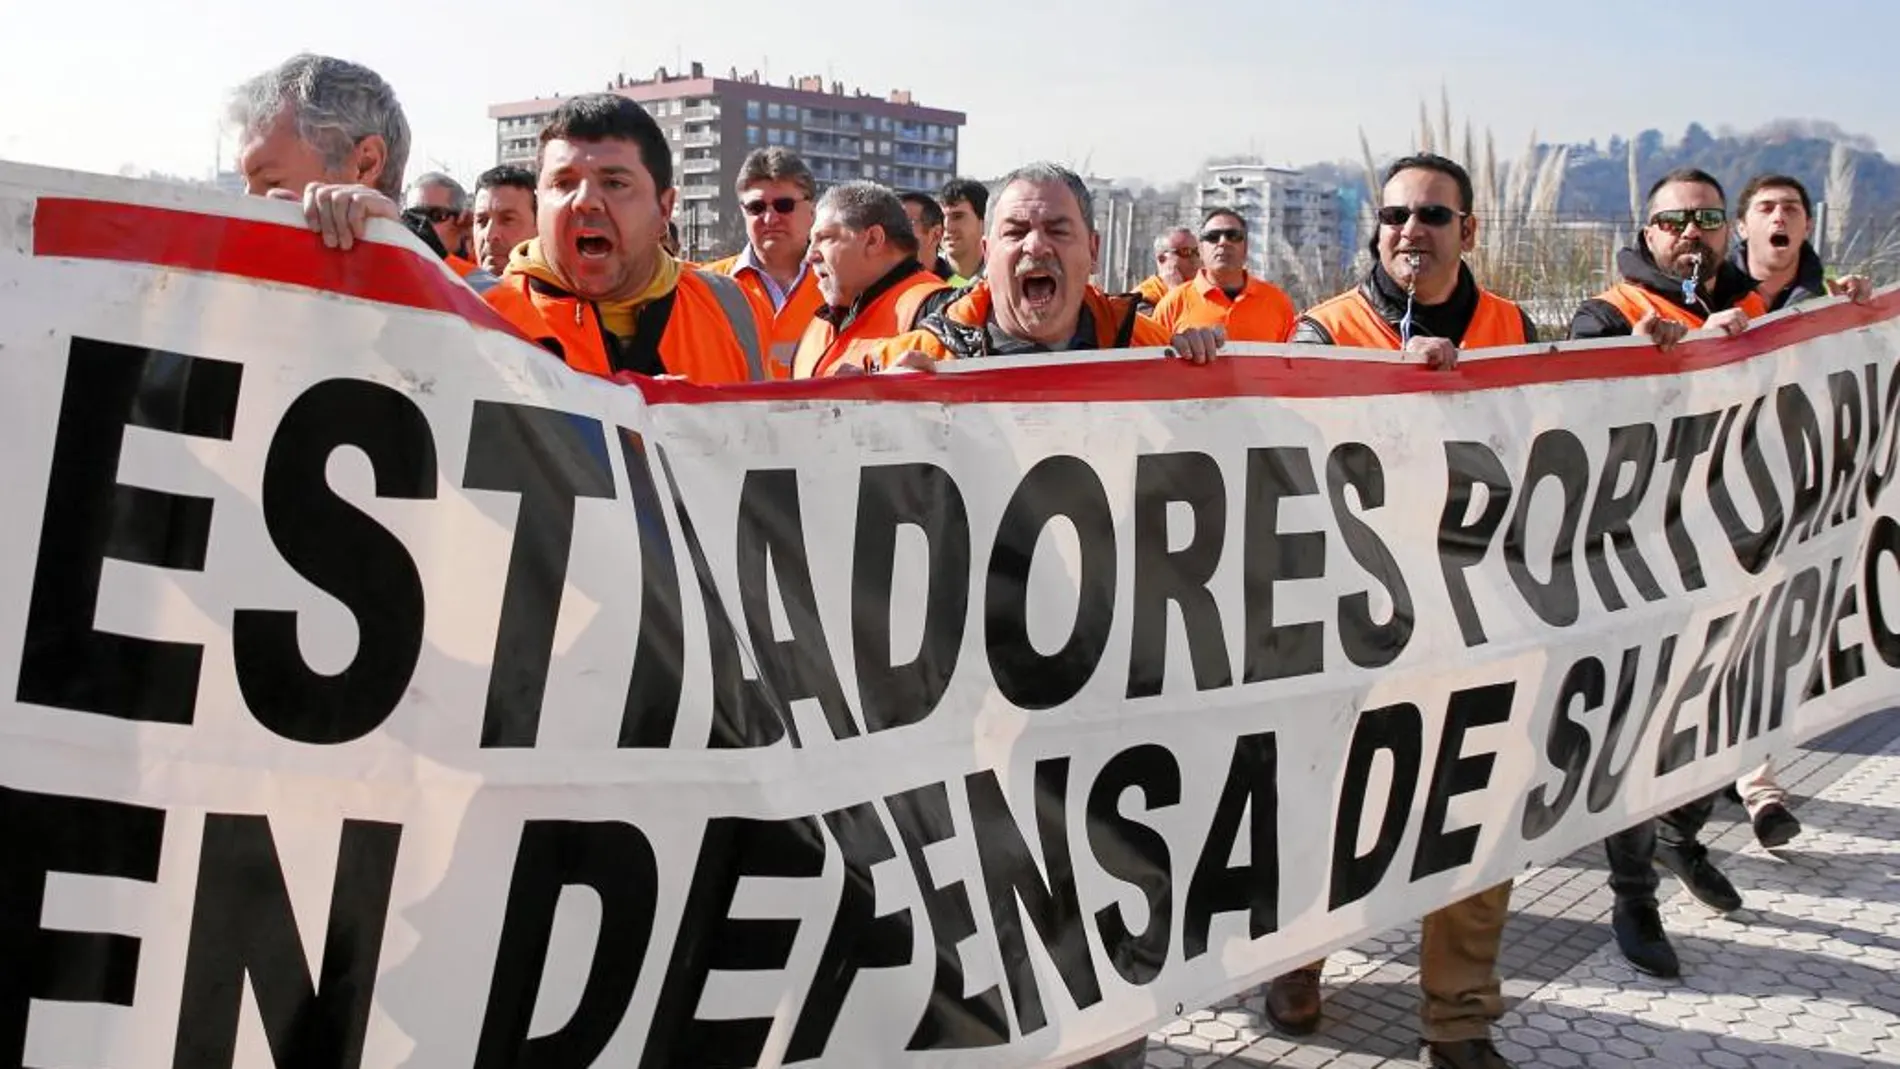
point(752, 109)
point(884, 124)
point(804, 115)
point(791, 138)
point(751, 135)
point(870, 171)
point(773, 135)
point(884, 172)
point(772, 111)
point(883, 148)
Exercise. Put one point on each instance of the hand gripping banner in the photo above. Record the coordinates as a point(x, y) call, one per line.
point(383, 694)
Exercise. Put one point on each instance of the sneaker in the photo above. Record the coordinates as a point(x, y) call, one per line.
point(1639, 935)
point(1774, 825)
point(1705, 883)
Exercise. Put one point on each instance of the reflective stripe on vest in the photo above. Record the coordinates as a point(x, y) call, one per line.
point(1635, 302)
point(1353, 323)
point(738, 308)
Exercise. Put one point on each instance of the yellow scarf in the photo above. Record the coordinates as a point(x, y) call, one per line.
point(617, 316)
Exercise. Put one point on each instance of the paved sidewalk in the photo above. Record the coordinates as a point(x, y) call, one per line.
point(1808, 974)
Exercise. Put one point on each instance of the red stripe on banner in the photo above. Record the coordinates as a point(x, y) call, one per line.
point(1273, 376)
point(268, 252)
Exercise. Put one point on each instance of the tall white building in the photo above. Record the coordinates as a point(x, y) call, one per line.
point(1275, 202)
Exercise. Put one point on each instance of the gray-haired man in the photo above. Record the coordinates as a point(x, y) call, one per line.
point(328, 133)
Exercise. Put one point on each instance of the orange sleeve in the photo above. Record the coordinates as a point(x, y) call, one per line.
point(761, 318)
point(1148, 333)
point(888, 350)
point(1168, 309)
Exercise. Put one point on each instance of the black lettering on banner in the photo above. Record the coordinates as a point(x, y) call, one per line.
point(925, 497)
point(242, 927)
point(1844, 397)
point(1801, 434)
point(1753, 547)
point(1455, 773)
point(1632, 447)
point(799, 667)
point(343, 551)
point(1252, 790)
point(1270, 650)
point(860, 937)
point(734, 848)
point(1366, 643)
point(1058, 486)
point(1010, 878)
point(745, 711)
point(1178, 576)
point(659, 652)
point(1606, 776)
point(1462, 545)
point(1817, 684)
point(614, 860)
point(951, 1020)
point(1740, 680)
point(1137, 855)
point(48, 833)
point(1678, 747)
point(550, 458)
point(1845, 664)
point(1689, 437)
point(65, 661)
point(1882, 541)
point(1792, 636)
point(1876, 474)
point(1555, 454)
point(1398, 730)
point(1566, 747)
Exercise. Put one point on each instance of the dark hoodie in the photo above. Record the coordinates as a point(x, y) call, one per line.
point(1600, 319)
point(1383, 292)
point(1810, 278)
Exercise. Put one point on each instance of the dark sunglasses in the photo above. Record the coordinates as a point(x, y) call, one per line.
point(1189, 252)
point(1429, 214)
point(1676, 220)
point(1233, 234)
point(781, 205)
point(438, 214)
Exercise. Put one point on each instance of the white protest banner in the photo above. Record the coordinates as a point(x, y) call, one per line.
point(386, 695)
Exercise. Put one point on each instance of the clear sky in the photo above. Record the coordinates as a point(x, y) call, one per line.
point(1129, 87)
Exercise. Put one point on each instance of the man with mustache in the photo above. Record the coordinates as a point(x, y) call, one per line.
point(1035, 296)
point(596, 286)
point(1676, 277)
point(1421, 299)
point(1223, 294)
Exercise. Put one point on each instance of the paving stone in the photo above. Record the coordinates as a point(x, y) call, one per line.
point(1800, 977)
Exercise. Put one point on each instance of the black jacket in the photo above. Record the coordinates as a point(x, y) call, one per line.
point(1600, 319)
point(1449, 320)
point(1810, 278)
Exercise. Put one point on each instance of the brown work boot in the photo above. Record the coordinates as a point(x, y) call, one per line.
point(1293, 1002)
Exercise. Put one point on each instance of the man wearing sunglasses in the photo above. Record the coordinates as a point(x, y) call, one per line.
point(776, 194)
point(1177, 259)
point(1420, 298)
point(596, 285)
point(1223, 293)
point(1676, 277)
